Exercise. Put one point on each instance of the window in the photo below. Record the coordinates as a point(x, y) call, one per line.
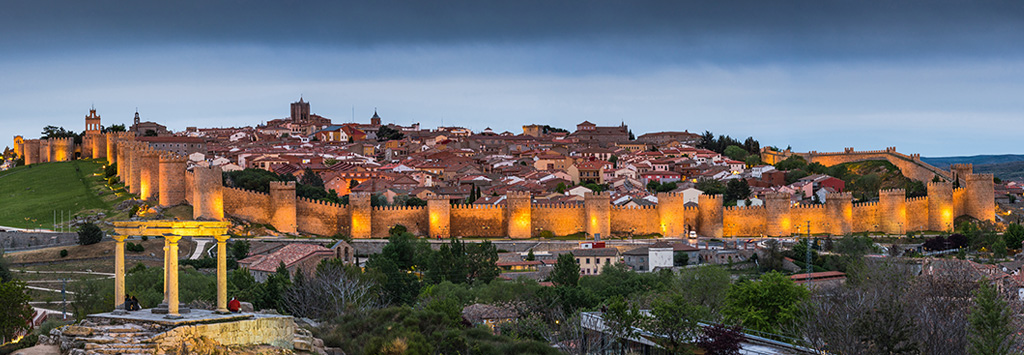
point(607, 261)
point(588, 261)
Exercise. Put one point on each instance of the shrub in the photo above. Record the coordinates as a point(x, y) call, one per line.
point(89, 234)
point(145, 238)
point(63, 253)
point(547, 234)
point(110, 170)
point(113, 180)
point(138, 248)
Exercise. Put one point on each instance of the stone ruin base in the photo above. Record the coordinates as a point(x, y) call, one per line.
point(200, 332)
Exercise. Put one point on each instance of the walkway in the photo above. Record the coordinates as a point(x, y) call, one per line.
point(200, 246)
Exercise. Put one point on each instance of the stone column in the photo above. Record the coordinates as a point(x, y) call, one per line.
point(222, 274)
point(172, 281)
point(167, 272)
point(119, 273)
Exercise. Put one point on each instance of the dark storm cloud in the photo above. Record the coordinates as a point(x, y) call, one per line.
point(678, 30)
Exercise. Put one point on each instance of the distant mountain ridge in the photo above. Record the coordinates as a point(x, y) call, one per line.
point(945, 162)
point(1006, 166)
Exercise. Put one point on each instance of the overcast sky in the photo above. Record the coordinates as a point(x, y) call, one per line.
point(933, 77)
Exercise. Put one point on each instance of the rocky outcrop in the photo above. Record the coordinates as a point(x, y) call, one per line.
point(259, 335)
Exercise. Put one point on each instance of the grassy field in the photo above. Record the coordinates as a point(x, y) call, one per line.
point(31, 194)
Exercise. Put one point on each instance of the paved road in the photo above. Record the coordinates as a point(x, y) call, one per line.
point(64, 272)
point(200, 245)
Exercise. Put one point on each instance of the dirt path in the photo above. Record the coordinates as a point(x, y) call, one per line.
point(39, 350)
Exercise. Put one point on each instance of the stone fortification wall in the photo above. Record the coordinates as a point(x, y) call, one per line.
point(478, 221)
point(19, 146)
point(12, 241)
point(321, 218)
point(149, 175)
point(32, 151)
point(85, 149)
point(910, 165)
point(560, 219)
point(750, 220)
point(248, 205)
point(412, 217)
point(522, 218)
point(638, 221)
point(62, 149)
point(45, 153)
point(172, 179)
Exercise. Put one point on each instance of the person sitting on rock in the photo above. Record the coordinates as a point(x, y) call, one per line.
point(127, 302)
point(234, 306)
point(135, 304)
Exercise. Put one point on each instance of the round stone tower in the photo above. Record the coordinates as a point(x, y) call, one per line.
point(208, 194)
point(711, 214)
point(149, 175)
point(172, 179)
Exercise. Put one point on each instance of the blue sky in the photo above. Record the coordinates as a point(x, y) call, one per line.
point(935, 77)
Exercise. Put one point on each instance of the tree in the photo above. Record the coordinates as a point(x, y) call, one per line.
point(737, 189)
point(676, 319)
point(680, 258)
point(15, 312)
point(718, 339)
point(566, 272)
point(115, 128)
point(705, 286)
point(623, 320)
point(240, 249)
point(89, 234)
point(771, 304)
point(1014, 236)
point(560, 188)
point(334, 290)
point(5, 272)
point(309, 177)
point(530, 256)
point(990, 331)
point(735, 152)
point(711, 187)
point(794, 162)
point(386, 133)
point(752, 160)
point(149, 133)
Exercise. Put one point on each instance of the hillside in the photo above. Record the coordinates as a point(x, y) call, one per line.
point(865, 178)
point(1006, 171)
point(32, 193)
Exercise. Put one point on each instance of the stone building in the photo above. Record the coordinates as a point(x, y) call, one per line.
point(178, 145)
point(141, 128)
point(294, 256)
point(593, 261)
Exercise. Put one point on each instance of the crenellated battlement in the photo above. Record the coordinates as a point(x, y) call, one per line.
point(981, 177)
point(243, 191)
point(838, 196)
point(919, 198)
point(776, 196)
point(462, 206)
point(558, 205)
point(661, 195)
point(629, 208)
point(399, 208)
point(938, 184)
point(744, 208)
point(282, 185)
point(808, 207)
point(865, 204)
point(962, 166)
point(519, 194)
point(892, 192)
point(707, 197)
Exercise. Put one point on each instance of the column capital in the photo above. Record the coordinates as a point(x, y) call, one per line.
point(119, 237)
point(222, 238)
point(172, 238)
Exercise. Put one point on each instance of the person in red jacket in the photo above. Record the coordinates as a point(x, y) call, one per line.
point(234, 306)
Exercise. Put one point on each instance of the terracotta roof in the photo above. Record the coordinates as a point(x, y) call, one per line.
point(289, 254)
point(595, 252)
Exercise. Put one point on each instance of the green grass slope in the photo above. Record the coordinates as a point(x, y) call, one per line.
point(29, 195)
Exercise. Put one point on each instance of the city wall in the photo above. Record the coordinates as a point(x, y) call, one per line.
point(162, 179)
point(910, 165)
